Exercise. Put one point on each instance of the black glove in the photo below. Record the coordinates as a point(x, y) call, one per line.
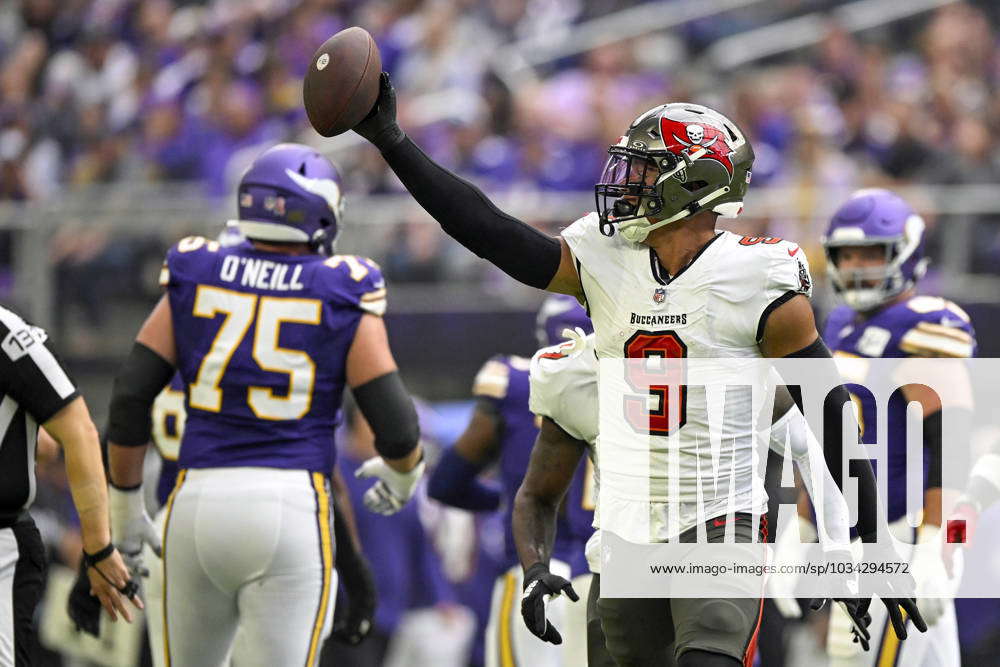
point(857, 610)
point(84, 609)
point(846, 594)
point(909, 605)
point(353, 621)
point(902, 586)
point(379, 126)
point(538, 583)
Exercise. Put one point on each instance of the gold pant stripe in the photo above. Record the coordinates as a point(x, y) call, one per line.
point(506, 640)
point(889, 651)
point(163, 554)
point(326, 551)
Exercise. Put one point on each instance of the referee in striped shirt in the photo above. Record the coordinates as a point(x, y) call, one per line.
point(34, 389)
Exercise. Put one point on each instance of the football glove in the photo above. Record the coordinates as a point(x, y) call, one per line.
point(845, 593)
point(84, 609)
point(131, 527)
point(393, 489)
point(540, 587)
point(380, 126)
point(902, 589)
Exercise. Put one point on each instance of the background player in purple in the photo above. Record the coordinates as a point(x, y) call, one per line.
point(265, 335)
point(875, 252)
point(503, 430)
point(407, 570)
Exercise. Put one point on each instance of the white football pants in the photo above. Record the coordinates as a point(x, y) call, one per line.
point(247, 566)
point(152, 594)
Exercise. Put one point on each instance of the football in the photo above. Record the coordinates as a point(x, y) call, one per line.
point(341, 85)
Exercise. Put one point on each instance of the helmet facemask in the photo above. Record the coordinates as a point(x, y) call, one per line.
point(867, 288)
point(628, 186)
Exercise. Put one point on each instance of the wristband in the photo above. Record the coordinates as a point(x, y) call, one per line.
point(536, 571)
point(93, 559)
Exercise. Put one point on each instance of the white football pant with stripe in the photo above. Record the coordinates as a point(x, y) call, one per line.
point(248, 567)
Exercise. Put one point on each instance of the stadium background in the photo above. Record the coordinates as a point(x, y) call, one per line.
point(125, 124)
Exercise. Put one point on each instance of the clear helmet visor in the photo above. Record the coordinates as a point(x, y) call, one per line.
point(629, 170)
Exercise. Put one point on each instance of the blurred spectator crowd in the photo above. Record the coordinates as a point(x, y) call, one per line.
point(120, 91)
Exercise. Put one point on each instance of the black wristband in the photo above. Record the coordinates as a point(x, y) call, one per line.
point(536, 571)
point(93, 559)
point(125, 488)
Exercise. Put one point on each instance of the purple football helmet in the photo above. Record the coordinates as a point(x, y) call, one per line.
point(558, 312)
point(291, 194)
point(876, 217)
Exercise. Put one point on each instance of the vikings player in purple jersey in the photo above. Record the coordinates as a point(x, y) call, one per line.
point(503, 430)
point(874, 245)
point(265, 336)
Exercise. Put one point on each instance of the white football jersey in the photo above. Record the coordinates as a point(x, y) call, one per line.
point(564, 386)
point(714, 308)
point(564, 389)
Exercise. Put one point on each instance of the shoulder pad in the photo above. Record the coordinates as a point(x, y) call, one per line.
point(766, 264)
point(588, 244)
point(839, 318)
point(184, 254)
point(493, 379)
point(937, 328)
point(360, 279)
point(560, 376)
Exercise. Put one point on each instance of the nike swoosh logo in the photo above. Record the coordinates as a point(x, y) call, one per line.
point(791, 253)
point(718, 523)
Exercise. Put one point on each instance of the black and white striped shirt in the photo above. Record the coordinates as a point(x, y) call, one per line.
point(33, 388)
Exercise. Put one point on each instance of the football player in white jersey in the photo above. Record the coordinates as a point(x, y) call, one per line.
point(658, 280)
point(564, 394)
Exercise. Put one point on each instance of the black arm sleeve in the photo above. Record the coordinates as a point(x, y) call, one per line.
point(933, 446)
point(464, 212)
point(833, 449)
point(141, 378)
point(389, 411)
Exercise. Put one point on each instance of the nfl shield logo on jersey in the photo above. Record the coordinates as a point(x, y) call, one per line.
point(659, 295)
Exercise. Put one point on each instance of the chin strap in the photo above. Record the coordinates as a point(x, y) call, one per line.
point(691, 209)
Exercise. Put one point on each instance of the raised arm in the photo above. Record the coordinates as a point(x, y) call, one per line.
point(464, 212)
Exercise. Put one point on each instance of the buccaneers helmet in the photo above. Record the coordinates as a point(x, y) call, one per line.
point(675, 160)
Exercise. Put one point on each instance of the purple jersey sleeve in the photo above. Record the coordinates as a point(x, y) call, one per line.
point(504, 383)
point(924, 326)
point(839, 318)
